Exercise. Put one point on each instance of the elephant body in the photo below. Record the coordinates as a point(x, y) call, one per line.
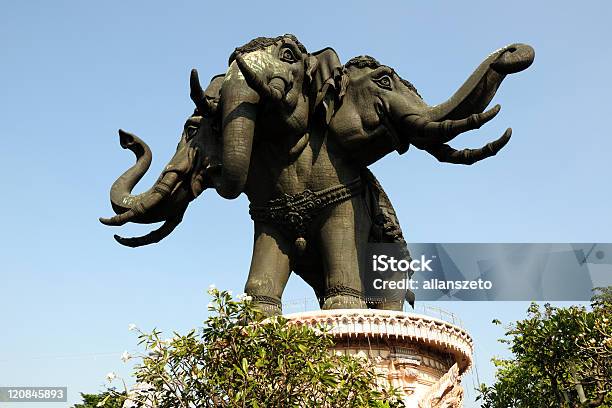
point(295, 131)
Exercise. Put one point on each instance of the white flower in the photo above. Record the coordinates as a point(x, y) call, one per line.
point(132, 327)
point(125, 356)
point(100, 404)
point(248, 298)
point(111, 376)
point(211, 306)
point(241, 296)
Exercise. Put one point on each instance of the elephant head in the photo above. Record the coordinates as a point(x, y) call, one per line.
point(183, 179)
point(265, 86)
point(381, 112)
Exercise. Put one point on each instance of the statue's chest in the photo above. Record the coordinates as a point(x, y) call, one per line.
point(307, 164)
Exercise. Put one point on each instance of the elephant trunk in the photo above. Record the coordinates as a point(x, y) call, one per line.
point(239, 113)
point(142, 208)
point(423, 132)
point(121, 190)
point(476, 93)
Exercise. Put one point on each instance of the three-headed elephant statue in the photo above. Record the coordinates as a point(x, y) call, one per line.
point(295, 131)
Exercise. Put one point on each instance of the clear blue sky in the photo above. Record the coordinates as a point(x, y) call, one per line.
point(72, 73)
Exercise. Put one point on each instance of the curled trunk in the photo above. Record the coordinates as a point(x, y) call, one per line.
point(476, 93)
point(160, 201)
point(121, 190)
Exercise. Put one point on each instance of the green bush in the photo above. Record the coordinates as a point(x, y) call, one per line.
point(562, 358)
point(239, 360)
point(110, 399)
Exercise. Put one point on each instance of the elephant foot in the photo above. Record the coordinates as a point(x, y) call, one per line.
point(397, 305)
point(342, 297)
point(267, 305)
point(343, 302)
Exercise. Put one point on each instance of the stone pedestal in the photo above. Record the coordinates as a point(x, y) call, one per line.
point(422, 356)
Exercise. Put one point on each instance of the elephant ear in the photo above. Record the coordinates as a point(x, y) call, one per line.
point(204, 148)
point(213, 91)
point(324, 81)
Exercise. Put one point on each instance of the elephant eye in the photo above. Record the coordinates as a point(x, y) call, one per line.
point(384, 82)
point(287, 55)
point(191, 132)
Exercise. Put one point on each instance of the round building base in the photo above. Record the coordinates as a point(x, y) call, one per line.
point(422, 356)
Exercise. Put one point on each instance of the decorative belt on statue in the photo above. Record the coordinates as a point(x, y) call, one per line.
point(295, 212)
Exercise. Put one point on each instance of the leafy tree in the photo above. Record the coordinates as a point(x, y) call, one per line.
point(111, 400)
point(602, 297)
point(562, 358)
point(239, 360)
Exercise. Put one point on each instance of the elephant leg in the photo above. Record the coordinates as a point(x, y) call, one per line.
point(270, 268)
point(309, 267)
point(387, 299)
point(344, 236)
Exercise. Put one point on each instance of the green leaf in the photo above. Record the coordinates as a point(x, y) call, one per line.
point(235, 359)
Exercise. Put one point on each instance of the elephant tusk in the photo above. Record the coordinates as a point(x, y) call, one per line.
point(431, 133)
point(269, 91)
point(122, 218)
point(160, 191)
point(446, 154)
point(154, 236)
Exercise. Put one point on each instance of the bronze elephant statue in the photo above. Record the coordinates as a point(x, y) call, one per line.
point(295, 131)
